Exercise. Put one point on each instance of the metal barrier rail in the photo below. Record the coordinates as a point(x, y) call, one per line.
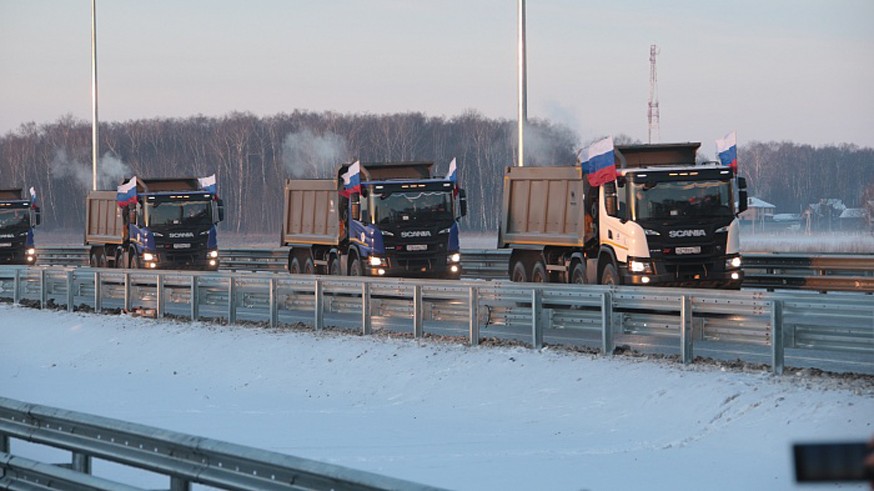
point(183, 459)
point(834, 332)
point(818, 272)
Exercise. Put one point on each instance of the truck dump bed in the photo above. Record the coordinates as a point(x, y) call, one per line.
point(14, 194)
point(543, 206)
point(311, 213)
point(103, 223)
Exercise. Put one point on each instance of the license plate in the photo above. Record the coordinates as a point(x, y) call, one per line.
point(417, 247)
point(181, 246)
point(5, 244)
point(688, 250)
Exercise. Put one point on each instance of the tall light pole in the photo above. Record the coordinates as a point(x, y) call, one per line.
point(95, 141)
point(523, 83)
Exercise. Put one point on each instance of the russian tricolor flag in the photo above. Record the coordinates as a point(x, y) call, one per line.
point(453, 171)
point(32, 197)
point(598, 162)
point(207, 183)
point(352, 179)
point(726, 148)
point(127, 193)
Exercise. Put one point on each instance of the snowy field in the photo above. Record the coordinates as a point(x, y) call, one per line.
point(434, 412)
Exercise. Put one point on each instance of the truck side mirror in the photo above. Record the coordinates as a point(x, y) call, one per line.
point(356, 206)
point(742, 194)
point(36, 217)
point(462, 202)
point(611, 201)
point(221, 210)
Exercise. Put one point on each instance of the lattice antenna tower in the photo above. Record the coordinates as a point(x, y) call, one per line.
point(653, 109)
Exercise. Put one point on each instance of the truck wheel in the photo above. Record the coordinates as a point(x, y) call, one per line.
point(334, 266)
point(538, 273)
point(134, 261)
point(294, 266)
point(609, 276)
point(93, 261)
point(308, 266)
point(519, 274)
point(578, 274)
point(355, 267)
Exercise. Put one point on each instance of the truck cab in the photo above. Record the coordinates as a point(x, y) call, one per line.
point(18, 217)
point(404, 222)
point(670, 222)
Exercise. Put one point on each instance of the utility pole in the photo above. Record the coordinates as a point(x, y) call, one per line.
point(653, 108)
point(522, 80)
point(95, 140)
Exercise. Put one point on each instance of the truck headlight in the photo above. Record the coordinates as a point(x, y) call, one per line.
point(212, 254)
point(148, 257)
point(376, 261)
point(455, 257)
point(639, 266)
point(30, 252)
point(733, 262)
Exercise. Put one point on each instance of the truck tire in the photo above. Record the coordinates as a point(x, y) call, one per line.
point(519, 273)
point(93, 261)
point(334, 266)
point(294, 266)
point(578, 274)
point(609, 276)
point(309, 266)
point(538, 273)
point(134, 261)
point(355, 267)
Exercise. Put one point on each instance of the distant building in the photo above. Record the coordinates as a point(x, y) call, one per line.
point(854, 220)
point(824, 216)
point(757, 213)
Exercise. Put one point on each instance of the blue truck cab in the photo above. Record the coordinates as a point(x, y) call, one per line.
point(18, 217)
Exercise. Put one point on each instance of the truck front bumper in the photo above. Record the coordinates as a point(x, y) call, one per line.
point(440, 266)
point(714, 274)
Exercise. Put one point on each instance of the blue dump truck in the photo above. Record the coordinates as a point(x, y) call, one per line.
point(155, 224)
point(18, 217)
point(375, 219)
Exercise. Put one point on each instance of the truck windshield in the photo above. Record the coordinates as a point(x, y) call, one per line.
point(666, 200)
point(406, 207)
point(188, 213)
point(17, 217)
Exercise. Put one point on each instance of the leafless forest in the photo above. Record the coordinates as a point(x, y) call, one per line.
point(251, 156)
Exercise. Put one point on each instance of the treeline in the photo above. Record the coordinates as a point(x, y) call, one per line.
point(252, 156)
point(792, 176)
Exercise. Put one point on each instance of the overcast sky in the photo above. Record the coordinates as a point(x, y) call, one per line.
point(796, 70)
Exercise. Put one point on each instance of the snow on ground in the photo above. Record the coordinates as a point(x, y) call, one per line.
point(435, 412)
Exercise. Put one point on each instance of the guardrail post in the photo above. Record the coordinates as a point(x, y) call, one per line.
point(418, 331)
point(4, 443)
point(43, 293)
point(193, 298)
point(318, 310)
point(159, 296)
point(274, 308)
point(127, 288)
point(366, 327)
point(686, 329)
point(70, 290)
point(607, 344)
point(16, 296)
point(179, 484)
point(232, 300)
point(473, 302)
point(97, 299)
point(81, 463)
point(536, 313)
point(777, 347)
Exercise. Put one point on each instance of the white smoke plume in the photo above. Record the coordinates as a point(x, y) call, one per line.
point(307, 155)
point(110, 170)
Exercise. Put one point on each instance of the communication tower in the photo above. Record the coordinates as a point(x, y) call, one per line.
point(653, 110)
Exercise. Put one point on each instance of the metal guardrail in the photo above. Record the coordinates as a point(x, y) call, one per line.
point(771, 271)
point(183, 459)
point(834, 331)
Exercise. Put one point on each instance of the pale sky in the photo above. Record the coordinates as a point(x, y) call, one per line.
point(796, 70)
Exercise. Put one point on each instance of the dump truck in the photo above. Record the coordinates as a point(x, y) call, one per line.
point(164, 223)
point(374, 219)
point(19, 214)
point(664, 220)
